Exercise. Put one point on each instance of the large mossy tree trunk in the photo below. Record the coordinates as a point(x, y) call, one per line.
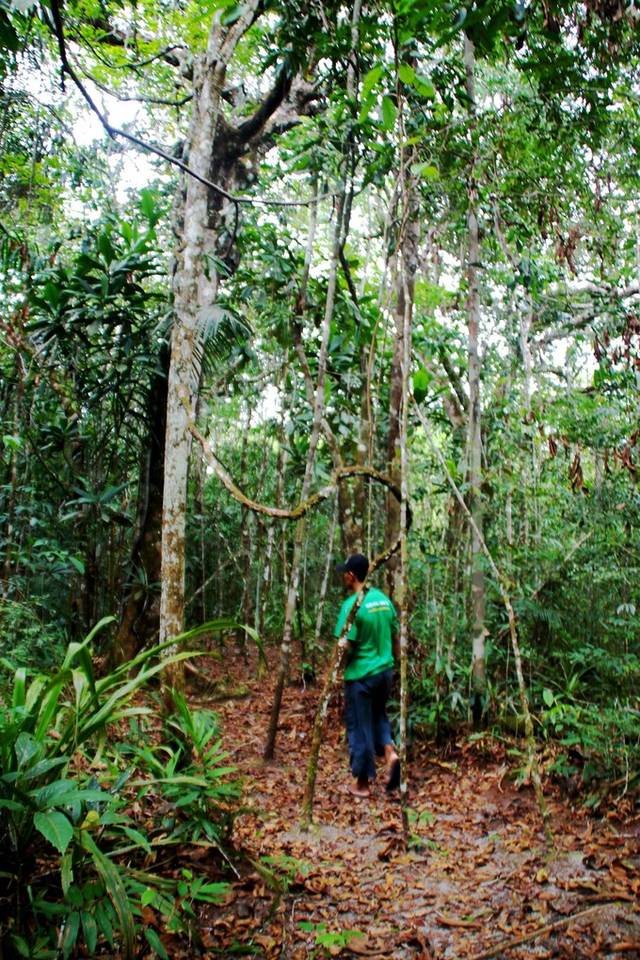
point(205, 224)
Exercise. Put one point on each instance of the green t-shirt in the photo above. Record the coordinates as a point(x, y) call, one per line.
point(371, 634)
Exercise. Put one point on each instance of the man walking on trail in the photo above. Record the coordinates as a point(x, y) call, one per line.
point(368, 675)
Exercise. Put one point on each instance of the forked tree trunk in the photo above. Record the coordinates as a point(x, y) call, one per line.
point(204, 221)
point(199, 217)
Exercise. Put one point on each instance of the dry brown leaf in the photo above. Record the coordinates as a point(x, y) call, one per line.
point(448, 921)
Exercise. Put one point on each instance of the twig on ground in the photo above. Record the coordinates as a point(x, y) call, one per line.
point(499, 948)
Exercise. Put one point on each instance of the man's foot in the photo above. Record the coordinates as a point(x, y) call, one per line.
point(393, 776)
point(359, 789)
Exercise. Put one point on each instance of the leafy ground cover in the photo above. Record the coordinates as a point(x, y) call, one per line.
point(475, 878)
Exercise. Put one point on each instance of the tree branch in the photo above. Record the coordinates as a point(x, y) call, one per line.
point(278, 93)
point(499, 948)
point(454, 380)
point(339, 475)
point(125, 98)
point(584, 319)
point(118, 132)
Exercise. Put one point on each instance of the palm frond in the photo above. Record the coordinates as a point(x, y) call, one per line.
point(219, 330)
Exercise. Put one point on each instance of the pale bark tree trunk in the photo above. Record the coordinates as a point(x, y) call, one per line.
point(195, 292)
point(324, 586)
point(393, 436)
point(474, 442)
point(204, 221)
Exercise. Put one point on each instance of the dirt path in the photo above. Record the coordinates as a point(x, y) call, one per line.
point(476, 873)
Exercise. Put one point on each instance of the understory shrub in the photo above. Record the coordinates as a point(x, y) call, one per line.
point(62, 779)
point(28, 637)
point(599, 746)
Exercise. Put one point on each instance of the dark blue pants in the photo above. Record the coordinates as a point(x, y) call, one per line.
point(368, 728)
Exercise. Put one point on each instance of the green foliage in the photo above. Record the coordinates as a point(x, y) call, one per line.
point(329, 941)
point(188, 770)
point(289, 870)
point(26, 638)
point(598, 746)
point(49, 735)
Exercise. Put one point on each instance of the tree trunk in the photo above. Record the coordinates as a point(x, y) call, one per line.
point(474, 440)
point(205, 219)
point(140, 618)
point(317, 639)
point(198, 219)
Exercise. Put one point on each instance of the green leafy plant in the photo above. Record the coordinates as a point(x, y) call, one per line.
point(289, 870)
point(191, 774)
point(49, 735)
point(329, 942)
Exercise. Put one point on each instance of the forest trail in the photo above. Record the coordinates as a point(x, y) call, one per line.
point(476, 874)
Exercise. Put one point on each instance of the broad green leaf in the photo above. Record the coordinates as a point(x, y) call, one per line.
point(365, 108)
point(43, 766)
point(115, 891)
point(12, 443)
point(55, 828)
point(27, 749)
point(388, 112)
point(407, 74)
point(424, 87)
point(89, 931)
point(20, 687)
point(370, 80)
point(70, 933)
point(148, 897)
point(427, 170)
point(155, 943)
point(149, 206)
point(66, 871)
point(77, 563)
point(421, 381)
point(138, 838)
point(103, 919)
point(50, 704)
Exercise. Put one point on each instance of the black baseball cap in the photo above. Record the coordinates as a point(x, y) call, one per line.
point(357, 564)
